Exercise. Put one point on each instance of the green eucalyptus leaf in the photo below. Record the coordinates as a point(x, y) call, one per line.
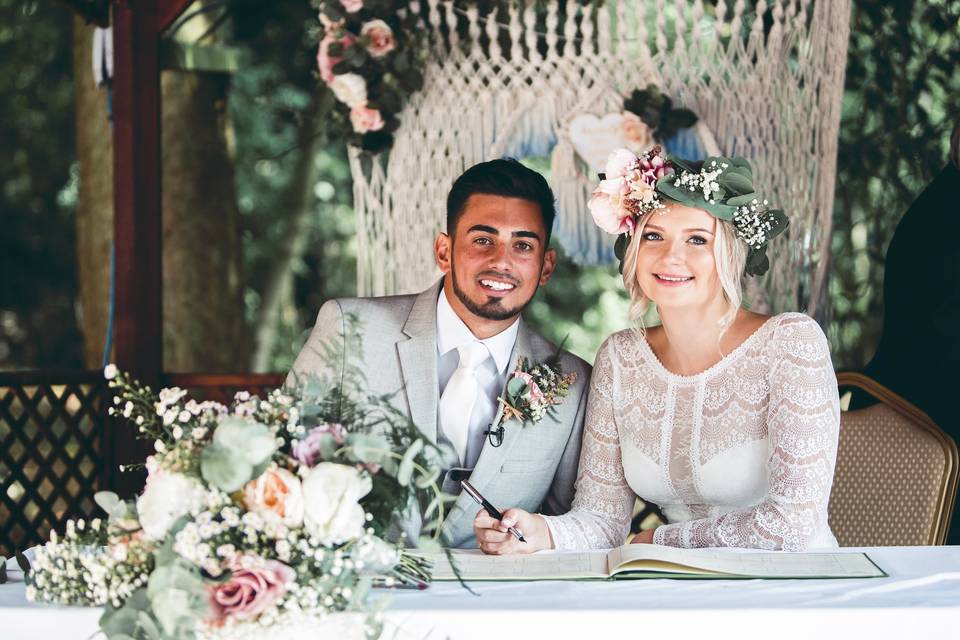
point(424, 481)
point(516, 387)
point(109, 502)
point(365, 447)
point(225, 470)
point(149, 626)
point(406, 464)
point(739, 201)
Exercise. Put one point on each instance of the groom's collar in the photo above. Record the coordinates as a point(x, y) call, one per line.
point(452, 332)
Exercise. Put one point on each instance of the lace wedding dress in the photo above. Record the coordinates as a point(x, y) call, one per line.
point(740, 455)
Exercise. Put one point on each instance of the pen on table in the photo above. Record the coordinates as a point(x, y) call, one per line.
point(489, 508)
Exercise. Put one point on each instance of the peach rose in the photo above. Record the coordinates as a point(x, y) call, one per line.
point(352, 6)
point(380, 35)
point(326, 62)
point(365, 119)
point(276, 496)
point(634, 132)
point(254, 586)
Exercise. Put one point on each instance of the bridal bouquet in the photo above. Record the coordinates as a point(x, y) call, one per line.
point(267, 514)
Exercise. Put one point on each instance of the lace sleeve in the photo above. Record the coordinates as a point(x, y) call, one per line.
point(603, 505)
point(803, 424)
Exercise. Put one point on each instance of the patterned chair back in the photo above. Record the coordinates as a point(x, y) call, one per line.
point(896, 476)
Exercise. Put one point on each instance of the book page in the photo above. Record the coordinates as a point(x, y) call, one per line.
point(713, 563)
point(475, 565)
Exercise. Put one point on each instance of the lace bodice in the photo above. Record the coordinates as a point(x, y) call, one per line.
point(740, 455)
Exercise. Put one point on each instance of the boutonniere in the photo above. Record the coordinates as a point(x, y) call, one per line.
point(535, 390)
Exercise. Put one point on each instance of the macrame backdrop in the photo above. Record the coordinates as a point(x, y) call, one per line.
point(765, 78)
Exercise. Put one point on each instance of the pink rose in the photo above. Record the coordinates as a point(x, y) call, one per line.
point(307, 451)
point(380, 35)
point(365, 119)
point(634, 132)
point(352, 6)
point(609, 212)
point(326, 62)
point(619, 164)
point(532, 392)
point(254, 586)
point(276, 496)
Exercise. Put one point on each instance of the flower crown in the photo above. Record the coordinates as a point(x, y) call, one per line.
point(632, 186)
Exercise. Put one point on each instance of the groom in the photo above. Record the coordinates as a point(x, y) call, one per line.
point(452, 348)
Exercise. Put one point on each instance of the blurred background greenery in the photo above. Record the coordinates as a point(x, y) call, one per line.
point(251, 251)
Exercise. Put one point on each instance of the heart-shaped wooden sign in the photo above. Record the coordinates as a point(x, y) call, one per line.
point(594, 137)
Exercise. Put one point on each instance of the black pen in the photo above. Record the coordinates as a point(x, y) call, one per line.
point(489, 508)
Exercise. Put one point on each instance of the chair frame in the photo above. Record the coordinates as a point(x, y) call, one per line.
point(948, 486)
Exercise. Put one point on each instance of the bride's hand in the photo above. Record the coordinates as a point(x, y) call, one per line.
point(494, 538)
point(644, 537)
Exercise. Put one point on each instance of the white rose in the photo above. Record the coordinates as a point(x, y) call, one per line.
point(331, 496)
point(167, 497)
point(350, 89)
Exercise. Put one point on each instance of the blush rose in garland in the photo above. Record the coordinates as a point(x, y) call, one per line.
point(369, 56)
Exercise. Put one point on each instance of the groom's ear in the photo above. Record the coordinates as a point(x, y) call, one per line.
point(549, 264)
point(442, 250)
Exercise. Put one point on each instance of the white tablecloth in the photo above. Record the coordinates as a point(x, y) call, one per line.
point(919, 599)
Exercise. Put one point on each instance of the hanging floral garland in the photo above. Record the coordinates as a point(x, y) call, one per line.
point(370, 56)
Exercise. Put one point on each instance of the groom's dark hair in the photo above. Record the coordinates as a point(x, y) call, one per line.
point(504, 177)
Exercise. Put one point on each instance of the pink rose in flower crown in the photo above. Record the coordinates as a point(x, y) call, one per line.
point(253, 586)
point(352, 6)
point(619, 164)
point(276, 496)
point(326, 62)
point(608, 208)
point(532, 392)
point(307, 451)
point(364, 119)
point(380, 35)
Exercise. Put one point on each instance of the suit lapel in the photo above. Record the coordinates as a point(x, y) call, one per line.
point(492, 458)
point(418, 362)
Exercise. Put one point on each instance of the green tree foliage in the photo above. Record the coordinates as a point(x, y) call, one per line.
point(902, 98)
point(38, 288)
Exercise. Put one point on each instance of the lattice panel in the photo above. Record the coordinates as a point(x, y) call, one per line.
point(51, 457)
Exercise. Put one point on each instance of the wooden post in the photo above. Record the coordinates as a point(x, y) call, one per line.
point(137, 26)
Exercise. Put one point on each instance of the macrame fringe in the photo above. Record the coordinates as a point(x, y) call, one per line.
point(772, 93)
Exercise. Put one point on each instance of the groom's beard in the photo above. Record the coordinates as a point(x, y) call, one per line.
point(492, 308)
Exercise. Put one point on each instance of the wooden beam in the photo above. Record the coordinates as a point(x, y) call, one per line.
point(170, 10)
point(137, 222)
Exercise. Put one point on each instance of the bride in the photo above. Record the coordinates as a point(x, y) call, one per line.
point(725, 418)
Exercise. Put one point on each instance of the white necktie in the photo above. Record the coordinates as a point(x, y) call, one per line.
point(459, 396)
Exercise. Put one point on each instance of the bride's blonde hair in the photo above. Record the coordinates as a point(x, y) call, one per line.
point(730, 257)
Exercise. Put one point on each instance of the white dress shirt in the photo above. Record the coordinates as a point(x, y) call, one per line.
point(491, 373)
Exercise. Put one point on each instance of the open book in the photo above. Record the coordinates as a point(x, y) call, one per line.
point(653, 561)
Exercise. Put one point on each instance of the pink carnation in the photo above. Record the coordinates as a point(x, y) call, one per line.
point(250, 590)
point(326, 62)
point(365, 119)
point(307, 451)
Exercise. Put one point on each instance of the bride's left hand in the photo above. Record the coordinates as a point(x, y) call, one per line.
point(644, 537)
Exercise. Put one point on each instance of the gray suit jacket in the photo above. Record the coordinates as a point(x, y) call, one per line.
point(535, 466)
